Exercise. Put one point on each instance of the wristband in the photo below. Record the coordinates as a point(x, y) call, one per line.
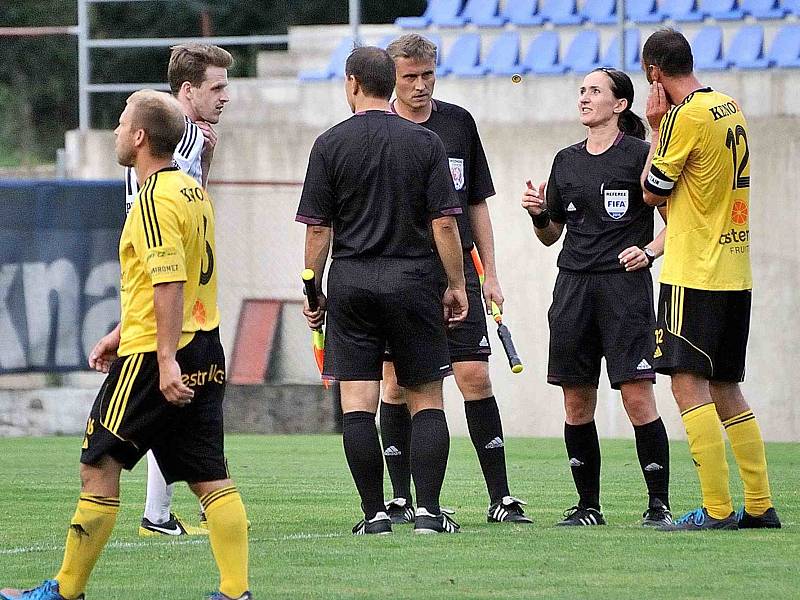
point(541, 220)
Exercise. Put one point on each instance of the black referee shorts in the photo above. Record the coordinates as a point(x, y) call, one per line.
point(703, 332)
point(130, 415)
point(596, 315)
point(377, 302)
point(470, 340)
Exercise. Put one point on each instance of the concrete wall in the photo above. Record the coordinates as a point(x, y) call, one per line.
point(267, 131)
point(288, 408)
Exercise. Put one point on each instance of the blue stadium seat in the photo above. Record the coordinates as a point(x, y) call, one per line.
point(722, 10)
point(791, 6)
point(482, 13)
point(560, 12)
point(503, 56)
point(600, 12)
point(335, 67)
point(463, 56)
point(522, 12)
point(584, 52)
point(643, 11)
point(707, 49)
point(611, 57)
point(681, 10)
point(438, 12)
point(541, 56)
point(747, 48)
point(763, 9)
point(785, 49)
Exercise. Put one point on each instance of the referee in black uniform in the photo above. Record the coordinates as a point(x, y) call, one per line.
point(603, 297)
point(415, 62)
point(382, 184)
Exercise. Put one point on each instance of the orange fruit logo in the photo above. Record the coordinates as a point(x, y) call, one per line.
point(199, 312)
point(739, 213)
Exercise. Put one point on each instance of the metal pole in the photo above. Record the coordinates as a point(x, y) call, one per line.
point(84, 106)
point(621, 22)
point(355, 20)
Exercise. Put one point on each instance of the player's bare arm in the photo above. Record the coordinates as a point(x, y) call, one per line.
point(535, 203)
point(482, 233)
point(105, 350)
point(168, 303)
point(657, 107)
point(635, 258)
point(318, 243)
point(448, 245)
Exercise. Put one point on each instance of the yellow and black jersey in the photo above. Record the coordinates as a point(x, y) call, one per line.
point(168, 237)
point(702, 164)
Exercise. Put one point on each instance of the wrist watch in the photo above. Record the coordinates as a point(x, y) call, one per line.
point(651, 256)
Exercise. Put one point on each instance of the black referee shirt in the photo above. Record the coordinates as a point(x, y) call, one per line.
point(378, 180)
point(466, 159)
point(599, 197)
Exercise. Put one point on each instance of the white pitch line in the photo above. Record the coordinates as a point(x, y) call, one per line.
point(191, 542)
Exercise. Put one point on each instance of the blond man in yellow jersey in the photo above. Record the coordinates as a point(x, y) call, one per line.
point(699, 164)
point(166, 374)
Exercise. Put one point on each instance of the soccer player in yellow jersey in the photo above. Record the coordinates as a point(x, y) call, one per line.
point(164, 390)
point(699, 164)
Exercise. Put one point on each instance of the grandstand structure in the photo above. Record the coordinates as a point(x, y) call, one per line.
point(487, 37)
point(272, 120)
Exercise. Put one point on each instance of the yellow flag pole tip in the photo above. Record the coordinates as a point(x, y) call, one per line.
point(307, 274)
point(517, 369)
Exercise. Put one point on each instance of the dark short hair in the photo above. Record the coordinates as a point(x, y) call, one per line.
point(374, 70)
point(669, 51)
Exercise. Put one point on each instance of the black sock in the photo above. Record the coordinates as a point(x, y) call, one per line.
point(652, 446)
point(430, 445)
point(583, 449)
point(363, 452)
point(396, 442)
point(486, 431)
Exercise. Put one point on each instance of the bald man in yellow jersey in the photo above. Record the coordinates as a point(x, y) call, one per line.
point(166, 367)
point(699, 164)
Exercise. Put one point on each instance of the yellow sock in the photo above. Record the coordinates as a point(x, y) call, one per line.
point(708, 453)
point(748, 448)
point(227, 532)
point(87, 536)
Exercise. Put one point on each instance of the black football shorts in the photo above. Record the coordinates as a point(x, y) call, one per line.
point(130, 415)
point(596, 315)
point(703, 332)
point(378, 302)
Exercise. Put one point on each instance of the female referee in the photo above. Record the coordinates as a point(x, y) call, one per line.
point(603, 296)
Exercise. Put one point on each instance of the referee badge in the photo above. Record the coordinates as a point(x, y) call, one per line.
point(457, 171)
point(616, 203)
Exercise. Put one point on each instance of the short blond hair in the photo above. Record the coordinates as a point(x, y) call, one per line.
point(161, 117)
point(188, 62)
point(412, 46)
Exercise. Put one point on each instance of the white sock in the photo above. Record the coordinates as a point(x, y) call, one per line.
point(159, 494)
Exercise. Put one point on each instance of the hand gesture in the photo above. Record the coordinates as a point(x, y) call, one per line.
point(171, 385)
point(316, 318)
point(633, 259)
point(209, 134)
point(657, 105)
point(492, 293)
point(533, 200)
point(455, 306)
point(104, 352)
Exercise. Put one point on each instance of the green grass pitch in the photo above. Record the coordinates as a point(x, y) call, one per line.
point(302, 503)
